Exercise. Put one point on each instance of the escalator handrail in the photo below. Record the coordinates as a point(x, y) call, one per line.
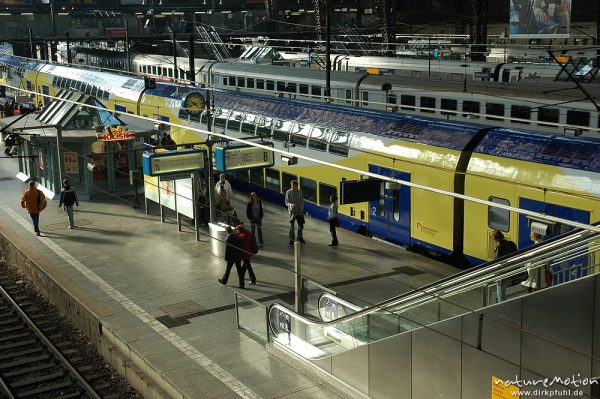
point(511, 261)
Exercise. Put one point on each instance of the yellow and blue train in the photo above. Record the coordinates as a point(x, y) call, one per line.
point(554, 175)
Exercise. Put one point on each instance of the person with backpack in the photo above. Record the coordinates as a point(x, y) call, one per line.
point(248, 247)
point(68, 198)
point(503, 247)
point(35, 202)
point(233, 256)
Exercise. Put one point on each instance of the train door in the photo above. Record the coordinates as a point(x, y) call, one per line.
point(573, 266)
point(389, 216)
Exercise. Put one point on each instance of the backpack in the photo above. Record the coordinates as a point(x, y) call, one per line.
point(253, 245)
point(42, 203)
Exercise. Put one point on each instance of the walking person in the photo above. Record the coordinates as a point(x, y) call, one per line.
point(233, 253)
point(68, 198)
point(247, 239)
point(332, 217)
point(35, 202)
point(503, 248)
point(254, 213)
point(294, 200)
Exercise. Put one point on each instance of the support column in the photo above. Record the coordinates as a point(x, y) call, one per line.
point(479, 10)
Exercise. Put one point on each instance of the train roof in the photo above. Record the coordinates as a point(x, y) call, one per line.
point(416, 129)
point(573, 153)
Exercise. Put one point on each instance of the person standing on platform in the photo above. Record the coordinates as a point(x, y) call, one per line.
point(332, 217)
point(294, 200)
point(503, 248)
point(35, 202)
point(247, 239)
point(223, 184)
point(535, 275)
point(254, 213)
point(233, 253)
point(68, 198)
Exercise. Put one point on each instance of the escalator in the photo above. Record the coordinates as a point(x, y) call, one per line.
point(344, 326)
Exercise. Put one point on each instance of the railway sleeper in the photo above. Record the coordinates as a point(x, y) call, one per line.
point(6, 338)
point(10, 321)
point(19, 343)
point(47, 389)
point(21, 362)
point(15, 328)
point(12, 355)
point(25, 370)
point(38, 379)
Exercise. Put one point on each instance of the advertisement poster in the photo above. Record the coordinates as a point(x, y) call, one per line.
point(285, 322)
point(71, 162)
point(540, 18)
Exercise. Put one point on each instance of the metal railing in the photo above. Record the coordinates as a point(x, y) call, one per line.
point(343, 327)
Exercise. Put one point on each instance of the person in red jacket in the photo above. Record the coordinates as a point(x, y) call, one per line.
point(34, 201)
point(247, 239)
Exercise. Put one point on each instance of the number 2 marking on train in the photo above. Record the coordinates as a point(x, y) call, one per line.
point(374, 211)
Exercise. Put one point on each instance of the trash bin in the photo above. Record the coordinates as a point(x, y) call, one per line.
point(217, 238)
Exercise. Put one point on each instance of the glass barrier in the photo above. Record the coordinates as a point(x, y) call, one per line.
point(344, 326)
point(251, 316)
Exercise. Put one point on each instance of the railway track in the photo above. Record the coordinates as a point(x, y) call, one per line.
point(41, 356)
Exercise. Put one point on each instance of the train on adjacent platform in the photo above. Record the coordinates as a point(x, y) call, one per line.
point(548, 174)
point(499, 94)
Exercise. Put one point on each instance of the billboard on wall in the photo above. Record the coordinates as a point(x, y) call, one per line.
point(540, 18)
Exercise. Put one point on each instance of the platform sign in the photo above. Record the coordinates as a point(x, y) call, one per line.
point(236, 157)
point(173, 162)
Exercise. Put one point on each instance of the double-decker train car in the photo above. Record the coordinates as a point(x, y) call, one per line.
point(553, 175)
point(500, 94)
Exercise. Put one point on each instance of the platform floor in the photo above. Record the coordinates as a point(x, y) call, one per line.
point(147, 273)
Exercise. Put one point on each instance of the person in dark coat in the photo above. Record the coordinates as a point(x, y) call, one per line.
point(254, 213)
point(233, 256)
point(68, 198)
point(503, 248)
point(246, 238)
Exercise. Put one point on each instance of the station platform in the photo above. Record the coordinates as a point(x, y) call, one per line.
point(149, 295)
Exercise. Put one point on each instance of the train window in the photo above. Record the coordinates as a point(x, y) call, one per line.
point(281, 130)
point(521, 112)
point(427, 102)
point(250, 83)
point(381, 204)
point(365, 98)
point(498, 218)
point(175, 73)
point(241, 82)
point(494, 109)
point(392, 99)
point(260, 84)
point(257, 177)
point(182, 73)
point(471, 106)
point(339, 143)
point(579, 118)
point(154, 69)
point(395, 204)
point(309, 189)
point(241, 175)
point(300, 133)
point(248, 124)
point(318, 138)
point(231, 81)
point(270, 85)
point(315, 90)
point(264, 125)
point(160, 70)
point(547, 115)
point(326, 191)
point(407, 100)
point(235, 121)
point(290, 87)
point(448, 104)
point(348, 96)
point(169, 72)
point(280, 86)
point(286, 181)
point(272, 179)
point(303, 89)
